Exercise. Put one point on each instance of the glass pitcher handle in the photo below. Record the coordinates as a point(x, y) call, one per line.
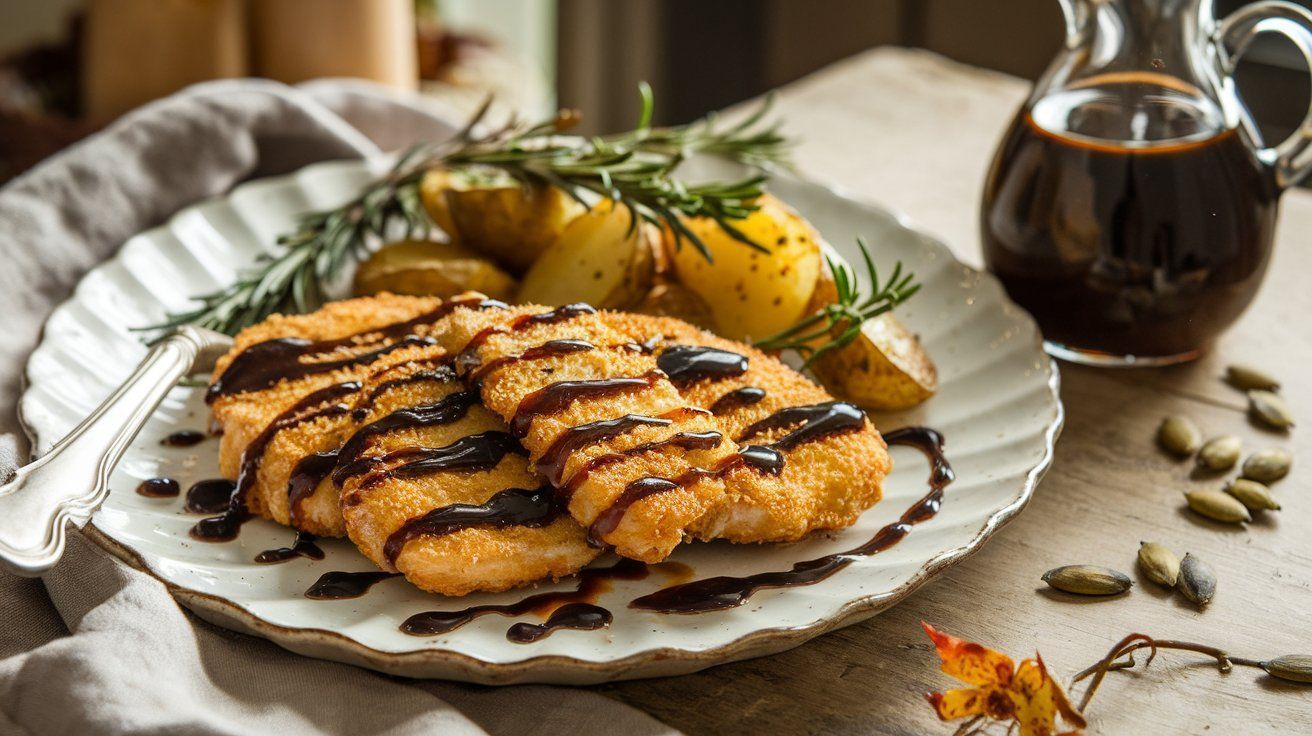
point(1292, 158)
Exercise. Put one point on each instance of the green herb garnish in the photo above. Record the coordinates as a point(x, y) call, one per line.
point(635, 168)
point(838, 324)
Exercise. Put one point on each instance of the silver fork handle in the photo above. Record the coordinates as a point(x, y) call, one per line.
point(70, 482)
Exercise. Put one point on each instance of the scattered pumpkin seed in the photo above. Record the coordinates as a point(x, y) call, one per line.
point(1159, 564)
point(1292, 667)
point(1217, 506)
point(1088, 580)
point(1253, 495)
point(1268, 466)
point(1179, 436)
point(1270, 409)
point(1221, 453)
point(1248, 378)
point(1197, 581)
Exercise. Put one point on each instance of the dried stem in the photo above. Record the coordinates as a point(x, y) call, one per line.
point(1121, 657)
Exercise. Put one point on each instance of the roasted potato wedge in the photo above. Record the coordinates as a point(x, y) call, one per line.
point(432, 192)
point(672, 299)
point(884, 369)
point(428, 268)
point(752, 294)
point(599, 258)
point(513, 224)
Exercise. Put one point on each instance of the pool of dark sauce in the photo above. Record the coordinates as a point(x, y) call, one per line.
point(335, 586)
point(304, 546)
point(577, 616)
point(159, 488)
point(592, 582)
point(209, 496)
point(183, 438)
point(264, 364)
point(321, 403)
point(718, 593)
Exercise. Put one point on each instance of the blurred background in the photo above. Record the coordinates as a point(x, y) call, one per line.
point(68, 67)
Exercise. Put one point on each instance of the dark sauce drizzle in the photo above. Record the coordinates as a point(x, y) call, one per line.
point(558, 396)
point(448, 409)
point(718, 593)
point(440, 373)
point(332, 586)
point(209, 496)
point(549, 349)
point(225, 526)
point(304, 546)
point(687, 364)
point(552, 463)
point(265, 364)
point(737, 399)
point(183, 438)
point(159, 488)
point(468, 358)
point(475, 452)
point(682, 440)
point(306, 476)
point(577, 616)
point(593, 582)
point(511, 507)
point(815, 422)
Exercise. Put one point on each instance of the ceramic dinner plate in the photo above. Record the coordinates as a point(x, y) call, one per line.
point(997, 407)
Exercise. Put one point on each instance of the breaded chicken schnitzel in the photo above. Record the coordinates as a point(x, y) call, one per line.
point(599, 419)
point(434, 487)
point(827, 479)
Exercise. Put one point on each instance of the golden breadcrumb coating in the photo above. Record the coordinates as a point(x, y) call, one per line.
point(375, 506)
point(825, 484)
point(243, 417)
point(652, 526)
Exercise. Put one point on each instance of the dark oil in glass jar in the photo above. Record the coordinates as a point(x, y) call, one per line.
point(1132, 234)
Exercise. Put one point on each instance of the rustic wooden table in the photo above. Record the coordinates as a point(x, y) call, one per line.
point(915, 133)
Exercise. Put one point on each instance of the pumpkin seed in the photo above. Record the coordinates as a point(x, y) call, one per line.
point(1179, 436)
point(1248, 378)
point(1252, 494)
point(1088, 580)
point(1217, 506)
point(1268, 466)
point(1270, 409)
point(1159, 564)
point(1197, 581)
point(1221, 453)
point(1292, 667)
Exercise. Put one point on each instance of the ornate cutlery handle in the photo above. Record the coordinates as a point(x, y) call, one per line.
point(70, 482)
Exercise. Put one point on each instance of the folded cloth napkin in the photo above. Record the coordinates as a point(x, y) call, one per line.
point(98, 647)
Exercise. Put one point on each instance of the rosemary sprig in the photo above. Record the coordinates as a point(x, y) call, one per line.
point(838, 324)
point(635, 168)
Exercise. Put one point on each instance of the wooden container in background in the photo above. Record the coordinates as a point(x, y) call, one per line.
point(296, 40)
point(138, 50)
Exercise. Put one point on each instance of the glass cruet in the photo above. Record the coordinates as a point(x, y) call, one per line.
point(1131, 206)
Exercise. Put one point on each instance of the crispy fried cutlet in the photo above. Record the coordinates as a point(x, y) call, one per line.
point(825, 483)
point(434, 487)
point(599, 420)
point(306, 426)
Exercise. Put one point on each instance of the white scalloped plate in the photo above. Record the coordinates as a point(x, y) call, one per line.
point(998, 407)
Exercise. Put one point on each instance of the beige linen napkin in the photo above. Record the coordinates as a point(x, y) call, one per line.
point(98, 647)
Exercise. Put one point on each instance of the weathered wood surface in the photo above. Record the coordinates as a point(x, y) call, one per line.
point(916, 133)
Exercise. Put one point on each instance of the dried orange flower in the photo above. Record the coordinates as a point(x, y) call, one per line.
point(1001, 691)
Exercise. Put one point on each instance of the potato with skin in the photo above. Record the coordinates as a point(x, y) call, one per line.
point(600, 258)
point(884, 369)
point(513, 224)
point(752, 294)
point(431, 268)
